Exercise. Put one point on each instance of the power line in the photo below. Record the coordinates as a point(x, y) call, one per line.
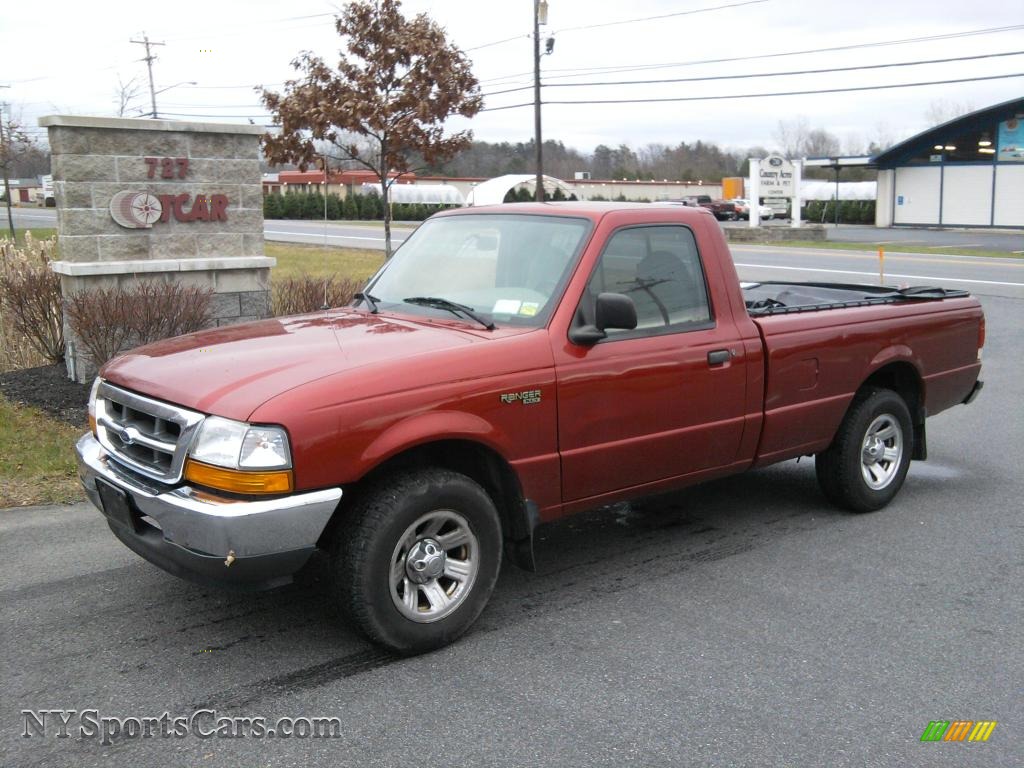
point(622, 21)
point(764, 74)
point(526, 36)
point(663, 16)
point(582, 71)
point(761, 95)
point(231, 87)
point(184, 114)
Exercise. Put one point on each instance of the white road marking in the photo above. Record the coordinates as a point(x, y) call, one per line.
point(875, 274)
point(961, 245)
point(337, 237)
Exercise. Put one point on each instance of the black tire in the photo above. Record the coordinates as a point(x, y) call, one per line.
point(367, 542)
point(843, 470)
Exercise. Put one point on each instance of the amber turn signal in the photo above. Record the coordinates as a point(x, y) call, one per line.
point(238, 481)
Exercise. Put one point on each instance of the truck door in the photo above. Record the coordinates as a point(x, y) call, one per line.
point(663, 400)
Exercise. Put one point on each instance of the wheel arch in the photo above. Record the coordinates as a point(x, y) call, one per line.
point(903, 378)
point(482, 464)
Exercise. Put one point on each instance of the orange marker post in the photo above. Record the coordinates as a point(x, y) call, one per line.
point(881, 266)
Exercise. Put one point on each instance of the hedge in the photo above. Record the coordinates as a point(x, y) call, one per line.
point(850, 211)
point(310, 205)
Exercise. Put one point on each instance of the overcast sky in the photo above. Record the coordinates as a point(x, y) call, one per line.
point(66, 57)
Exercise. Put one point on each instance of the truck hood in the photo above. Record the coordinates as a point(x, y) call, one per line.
point(231, 371)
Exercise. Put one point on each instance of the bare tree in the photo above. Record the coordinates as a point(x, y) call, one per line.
point(943, 110)
point(14, 142)
point(125, 94)
point(820, 143)
point(791, 135)
point(396, 83)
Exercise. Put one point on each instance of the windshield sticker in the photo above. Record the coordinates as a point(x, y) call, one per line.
point(506, 307)
point(529, 308)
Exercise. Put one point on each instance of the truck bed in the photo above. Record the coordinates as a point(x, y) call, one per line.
point(779, 298)
point(816, 357)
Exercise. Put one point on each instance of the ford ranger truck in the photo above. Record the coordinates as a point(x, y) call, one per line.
point(509, 365)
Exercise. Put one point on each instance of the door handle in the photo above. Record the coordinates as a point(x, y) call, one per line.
point(719, 357)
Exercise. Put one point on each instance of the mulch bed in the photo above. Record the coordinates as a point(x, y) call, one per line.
point(49, 389)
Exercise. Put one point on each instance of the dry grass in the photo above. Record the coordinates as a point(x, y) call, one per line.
point(891, 247)
point(41, 470)
point(298, 260)
point(31, 247)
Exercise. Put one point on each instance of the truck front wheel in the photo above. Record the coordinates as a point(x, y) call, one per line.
point(868, 460)
point(417, 559)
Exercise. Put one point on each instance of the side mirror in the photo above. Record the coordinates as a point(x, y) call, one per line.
point(611, 310)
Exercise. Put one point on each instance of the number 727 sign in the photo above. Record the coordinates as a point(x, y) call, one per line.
point(170, 167)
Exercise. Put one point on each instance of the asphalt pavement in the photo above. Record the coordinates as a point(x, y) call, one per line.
point(740, 623)
point(370, 234)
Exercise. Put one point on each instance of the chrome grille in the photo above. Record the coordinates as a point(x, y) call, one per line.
point(148, 436)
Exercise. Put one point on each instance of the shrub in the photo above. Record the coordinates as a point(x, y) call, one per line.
point(333, 206)
point(291, 206)
point(272, 206)
point(109, 320)
point(312, 205)
point(30, 303)
point(349, 208)
point(301, 295)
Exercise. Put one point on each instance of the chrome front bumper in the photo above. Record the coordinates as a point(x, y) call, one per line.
point(243, 543)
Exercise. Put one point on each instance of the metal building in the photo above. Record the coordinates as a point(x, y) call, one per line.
point(968, 172)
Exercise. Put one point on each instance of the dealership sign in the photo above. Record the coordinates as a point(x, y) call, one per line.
point(777, 177)
point(135, 209)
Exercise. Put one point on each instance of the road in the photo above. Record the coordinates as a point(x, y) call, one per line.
point(741, 623)
point(370, 235)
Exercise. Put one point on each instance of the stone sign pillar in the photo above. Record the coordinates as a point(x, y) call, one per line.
point(159, 199)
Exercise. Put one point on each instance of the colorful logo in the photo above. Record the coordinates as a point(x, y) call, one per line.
point(958, 730)
point(135, 210)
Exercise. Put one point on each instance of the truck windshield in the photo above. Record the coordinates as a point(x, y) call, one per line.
point(509, 269)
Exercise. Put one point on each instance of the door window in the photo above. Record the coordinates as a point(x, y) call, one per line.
point(659, 269)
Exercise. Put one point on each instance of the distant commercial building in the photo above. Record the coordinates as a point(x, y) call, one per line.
point(968, 172)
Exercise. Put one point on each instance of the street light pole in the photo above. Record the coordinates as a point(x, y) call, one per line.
point(537, 11)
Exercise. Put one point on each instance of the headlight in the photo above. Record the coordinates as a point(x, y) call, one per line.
point(236, 445)
point(241, 458)
point(92, 404)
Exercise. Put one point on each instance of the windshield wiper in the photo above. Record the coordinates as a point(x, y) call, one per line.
point(439, 303)
point(370, 300)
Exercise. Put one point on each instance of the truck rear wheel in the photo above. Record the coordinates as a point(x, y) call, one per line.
point(868, 460)
point(417, 560)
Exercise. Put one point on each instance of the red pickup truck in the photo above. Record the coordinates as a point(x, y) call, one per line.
point(508, 366)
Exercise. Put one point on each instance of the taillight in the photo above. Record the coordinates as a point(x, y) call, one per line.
point(981, 333)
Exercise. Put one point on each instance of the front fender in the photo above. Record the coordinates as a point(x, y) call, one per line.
point(433, 427)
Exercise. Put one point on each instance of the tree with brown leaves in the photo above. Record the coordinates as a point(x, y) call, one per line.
point(397, 81)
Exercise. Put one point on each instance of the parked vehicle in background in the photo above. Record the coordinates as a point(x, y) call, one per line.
point(722, 209)
point(44, 195)
point(743, 209)
point(779, 206)
point(509, 365)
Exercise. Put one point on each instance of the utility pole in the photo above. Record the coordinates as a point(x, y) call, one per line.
point(149, 59)
point(540, 7)
point(5, 156)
